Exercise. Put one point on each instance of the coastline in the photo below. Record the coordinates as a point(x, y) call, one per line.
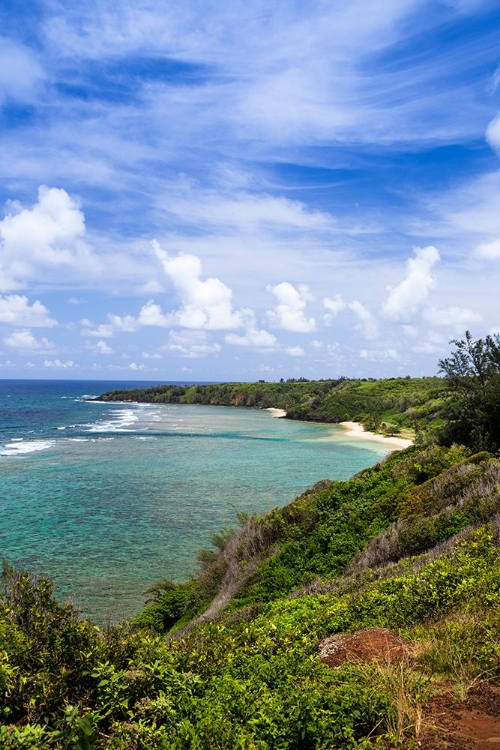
point(356, 430)
point(277, 413)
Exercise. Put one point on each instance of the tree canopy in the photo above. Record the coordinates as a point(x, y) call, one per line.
point(473, 414)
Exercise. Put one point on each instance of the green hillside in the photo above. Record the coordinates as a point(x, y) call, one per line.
point(411, 404)
point(364, 614)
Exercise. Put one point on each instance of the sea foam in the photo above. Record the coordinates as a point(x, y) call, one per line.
point(19, 447)
point(121, 420)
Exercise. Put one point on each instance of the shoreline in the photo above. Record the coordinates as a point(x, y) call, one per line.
point(276, 413)
point(356, 430)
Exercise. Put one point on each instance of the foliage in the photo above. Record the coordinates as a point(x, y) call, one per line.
point(229, 659)
point(472, 416)
point(414, 404)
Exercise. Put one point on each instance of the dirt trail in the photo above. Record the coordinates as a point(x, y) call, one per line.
point(471, 725)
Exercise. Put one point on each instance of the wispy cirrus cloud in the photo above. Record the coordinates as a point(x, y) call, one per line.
point(316, 143)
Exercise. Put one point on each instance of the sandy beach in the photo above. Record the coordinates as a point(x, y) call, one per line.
point(357, 430)
point(278, 413)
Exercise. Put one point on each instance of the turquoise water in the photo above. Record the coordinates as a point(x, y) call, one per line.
point(107, 498)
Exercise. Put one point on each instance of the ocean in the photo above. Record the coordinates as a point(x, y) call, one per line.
point(108, 498)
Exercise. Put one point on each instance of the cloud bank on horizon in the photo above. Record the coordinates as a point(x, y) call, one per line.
point(202, 192)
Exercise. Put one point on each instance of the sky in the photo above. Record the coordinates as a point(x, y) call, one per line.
point(208, 191)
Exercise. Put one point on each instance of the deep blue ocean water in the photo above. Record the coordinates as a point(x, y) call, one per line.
point(108, 498)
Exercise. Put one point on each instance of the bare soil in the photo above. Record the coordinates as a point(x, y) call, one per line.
point(379, 644)
point(473, 724)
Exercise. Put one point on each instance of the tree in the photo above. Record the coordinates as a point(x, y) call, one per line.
point(473, 413)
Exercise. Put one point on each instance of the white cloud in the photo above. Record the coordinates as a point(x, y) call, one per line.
point(57, 363)
point(489, 250)
point(289, 312)
point(205, 304)
point(246, 211)
point(432, 343)
point(408, 297)
point(367, 323)
point(135, 367)
point(410, 330)
point(378, 355)
point(457, 318)
point(20, 72)
point(295, 351)
point(191, 344)
point(151, 314)
point(103, 348)
point(147, 355)
point(493, 134)
point(253, 337)
point(50, 234)
point(25, 341)
point(16, 310)
point(334, 306)
point(104, 330)
point(427, 347)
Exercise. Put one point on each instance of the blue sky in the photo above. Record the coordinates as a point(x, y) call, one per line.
point(209, 191)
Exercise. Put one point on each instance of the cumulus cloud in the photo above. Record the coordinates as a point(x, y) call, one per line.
point(135, 367)
point(289, 312)
point(150, 314)
point(408, 297)
point(57, 363)
point(48, 235)
point(25, 341)
point(253, 336)
point(334, 306)
point(295, 351)
point(148, 355)
point(103, 348)
point(205, 304)
point(493, 134)
point(367, 324)
point(16, 310)
point(191, 344)
point(489, 250)
point(457, 318)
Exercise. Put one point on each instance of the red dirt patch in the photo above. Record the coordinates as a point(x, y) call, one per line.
point(472, 725)
point(372, 644)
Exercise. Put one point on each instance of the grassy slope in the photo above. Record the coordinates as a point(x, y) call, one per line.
point(411, 544)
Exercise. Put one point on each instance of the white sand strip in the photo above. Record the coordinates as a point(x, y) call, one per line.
point(278, 413)
point(357, 430)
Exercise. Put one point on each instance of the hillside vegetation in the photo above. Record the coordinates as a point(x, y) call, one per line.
point(413, 404)
point(358, 616)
